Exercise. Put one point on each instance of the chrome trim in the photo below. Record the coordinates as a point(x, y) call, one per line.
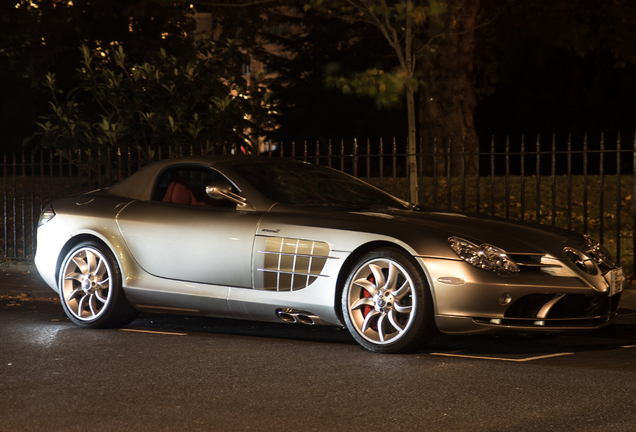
point(582, 261)
point(547, 320)
point(538, 265)
point(543, 312)
point(599, 253)
point(292, 273)
point(297, 255)
point(294, 316)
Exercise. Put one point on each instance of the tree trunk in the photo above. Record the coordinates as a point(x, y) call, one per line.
point(447, 99)
point(413, 177)
point(409, 67)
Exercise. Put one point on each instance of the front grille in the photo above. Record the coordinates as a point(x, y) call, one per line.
point(537, 263)
point(568, 306)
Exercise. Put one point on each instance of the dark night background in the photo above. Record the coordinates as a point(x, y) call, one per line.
point(558, 67)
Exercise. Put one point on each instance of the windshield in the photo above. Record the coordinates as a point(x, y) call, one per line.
point(299, 183)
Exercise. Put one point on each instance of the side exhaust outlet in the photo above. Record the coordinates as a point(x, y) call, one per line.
point(293, 316)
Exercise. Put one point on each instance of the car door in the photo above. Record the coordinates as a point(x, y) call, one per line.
point(199, 240)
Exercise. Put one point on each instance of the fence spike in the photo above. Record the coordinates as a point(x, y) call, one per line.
point(46, 170)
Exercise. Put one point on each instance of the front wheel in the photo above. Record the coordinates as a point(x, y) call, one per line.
point(90, 288)
point(386, 303)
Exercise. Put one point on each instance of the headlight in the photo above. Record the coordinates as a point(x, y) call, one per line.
point(599, 253)
point(47, 214)
point(487, 257)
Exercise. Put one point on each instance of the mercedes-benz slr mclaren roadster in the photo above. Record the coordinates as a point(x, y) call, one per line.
point(277, 240)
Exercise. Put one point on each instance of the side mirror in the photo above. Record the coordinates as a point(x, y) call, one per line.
point(222, 190)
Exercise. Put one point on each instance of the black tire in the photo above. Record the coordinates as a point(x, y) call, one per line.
point(387, 304)
point(90, 288)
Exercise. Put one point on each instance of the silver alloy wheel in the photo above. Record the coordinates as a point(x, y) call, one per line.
point(380, 301)
point(86, 284)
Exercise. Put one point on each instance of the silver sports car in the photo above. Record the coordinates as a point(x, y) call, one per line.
point(277, 240)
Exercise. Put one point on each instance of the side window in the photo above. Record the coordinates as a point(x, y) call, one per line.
point(186, 185)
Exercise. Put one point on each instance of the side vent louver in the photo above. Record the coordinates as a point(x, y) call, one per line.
point(292, 264)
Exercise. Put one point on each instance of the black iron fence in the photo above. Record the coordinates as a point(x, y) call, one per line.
point(584, 184)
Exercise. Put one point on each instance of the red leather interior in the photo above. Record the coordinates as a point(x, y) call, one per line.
point(179, 193)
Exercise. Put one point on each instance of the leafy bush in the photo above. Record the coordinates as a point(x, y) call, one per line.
point(196, 99)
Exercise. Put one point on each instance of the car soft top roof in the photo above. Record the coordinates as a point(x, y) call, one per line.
point(139, 185)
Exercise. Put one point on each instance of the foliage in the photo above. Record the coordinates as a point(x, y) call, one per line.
point(403, 26)
point(310, 46)
point(323, 44)
point(196, 99)
point(41, 36)
point(386, 88)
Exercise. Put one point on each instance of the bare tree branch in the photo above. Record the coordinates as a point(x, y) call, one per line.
point(484, 24)
point(385, 27)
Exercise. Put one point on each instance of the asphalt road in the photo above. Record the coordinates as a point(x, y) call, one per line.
point(189, 373)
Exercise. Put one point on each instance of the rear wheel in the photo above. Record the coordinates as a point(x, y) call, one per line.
point(387, 304)
point(90, 288)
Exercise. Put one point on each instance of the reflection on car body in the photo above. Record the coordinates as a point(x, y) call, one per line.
point(277, 240)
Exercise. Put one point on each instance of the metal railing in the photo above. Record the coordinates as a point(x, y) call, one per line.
point(587, 185)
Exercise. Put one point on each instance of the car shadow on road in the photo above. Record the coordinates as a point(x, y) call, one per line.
point(620, 334)
point(509, 346)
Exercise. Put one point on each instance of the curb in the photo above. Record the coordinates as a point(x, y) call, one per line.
point(18, 266)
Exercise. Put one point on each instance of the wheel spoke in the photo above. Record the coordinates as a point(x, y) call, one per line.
point(402, 291)
point(381, 324)
point(81, 264)
point(382, 303)
point(364, 301)
point(74, 276)
point(402, 309)
point(92, 304)
point(100, 269)
point(394, 323)
point(91, 261)
point(392, 279)
point(378, 274)
point(80, 306)
point(367, 320)
point(100, 296)
point(367, 285)
point(88, 283)
point(75, 294)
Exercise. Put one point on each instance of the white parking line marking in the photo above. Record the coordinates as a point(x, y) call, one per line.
point(155, 332)
point(628, 346)
point(503, 359)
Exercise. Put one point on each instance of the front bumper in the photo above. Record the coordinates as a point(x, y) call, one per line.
point(51, 237)
point(467, 325)
point(470, 300)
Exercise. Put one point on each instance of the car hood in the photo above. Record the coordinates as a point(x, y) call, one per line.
point(427, 232)
point(512, 236)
